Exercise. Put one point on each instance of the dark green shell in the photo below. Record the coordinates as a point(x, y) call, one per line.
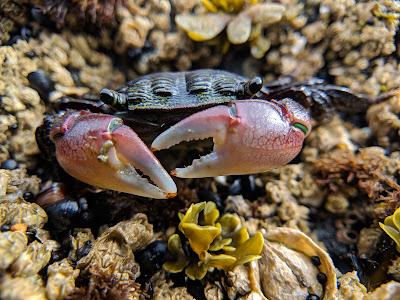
point(177, 90)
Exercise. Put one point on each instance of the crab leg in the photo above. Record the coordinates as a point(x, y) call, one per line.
point(99, 150)
point(250, 136)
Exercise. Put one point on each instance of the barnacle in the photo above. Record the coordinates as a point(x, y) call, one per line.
point(30, 214)
point(61, 279)
point(12, 244)
point(285, 267)
point(32, 260)
point(245, 26)
point(219, 242)
point(15, 288)
point(112, 253)
point(391, 226)
point(350, 287)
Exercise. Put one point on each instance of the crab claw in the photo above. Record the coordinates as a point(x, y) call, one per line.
point(99, 150)
point(250, 136)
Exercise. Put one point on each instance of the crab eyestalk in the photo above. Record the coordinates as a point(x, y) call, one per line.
point(250, 136)
point(99, 150)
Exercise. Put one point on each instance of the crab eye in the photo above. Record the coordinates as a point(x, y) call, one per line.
point(301, 127)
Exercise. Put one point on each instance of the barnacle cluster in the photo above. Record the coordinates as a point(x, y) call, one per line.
point(42, 70)
point(352, 288)
point(77, 13)
point(354, 42)
point(22, 258)
point(110, 264)
point(326, 35)
point(13, 14)
point(218, 242)
point(245, 22)
point(384, 121)
point(391, 226)
point(142, 30)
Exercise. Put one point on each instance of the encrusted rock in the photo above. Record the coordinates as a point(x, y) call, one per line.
point(351, 288)
point(164, 290)
point(18, 212)
point(112, 252)
point(384, 122)
point(22, 288)
point(12, 244)
point(213, 291)
point(61, 280)
point(32, 260)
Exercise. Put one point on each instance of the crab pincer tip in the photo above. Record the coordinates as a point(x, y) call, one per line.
point(173, 172)
point(154, 149)
point(171, 195)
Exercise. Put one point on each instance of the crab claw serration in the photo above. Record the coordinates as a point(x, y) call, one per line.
point(99, 150)
point(250, 136)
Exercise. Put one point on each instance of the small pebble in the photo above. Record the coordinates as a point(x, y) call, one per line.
point(312, 297)
point(5, 228)
point(152, 258)
point(245, 185)
point(322, 278)
point(315, 260)
point(56, 255)
point(42, 83)
point(13, 127)
point(9, 164)
point(30, 54)
point(24, 34)
point(63, 214)
point(28, 196)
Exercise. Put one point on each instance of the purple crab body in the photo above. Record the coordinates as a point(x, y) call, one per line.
point(249, 135)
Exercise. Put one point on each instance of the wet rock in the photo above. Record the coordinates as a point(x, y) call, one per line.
point(42, 83)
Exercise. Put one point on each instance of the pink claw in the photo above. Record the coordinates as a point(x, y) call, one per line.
point(250, 136)
point(99, 150)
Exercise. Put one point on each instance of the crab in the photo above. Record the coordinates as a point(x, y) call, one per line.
point(254, 128)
